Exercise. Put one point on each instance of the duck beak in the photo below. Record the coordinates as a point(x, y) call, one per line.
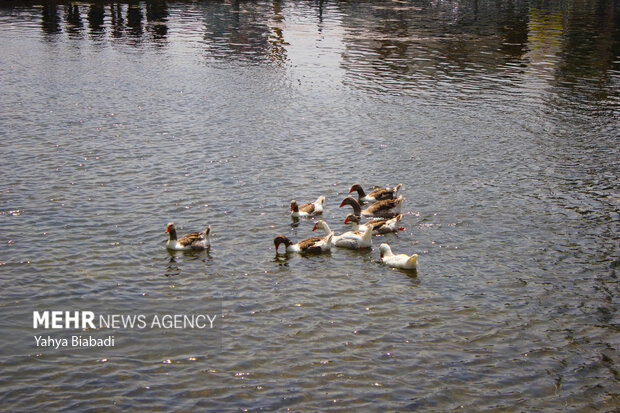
point(342, 204)
point(346, 220)
point(292, 207)
point(314, 227)
point(167, 229)
point(351, 190)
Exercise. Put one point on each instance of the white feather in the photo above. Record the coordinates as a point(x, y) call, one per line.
point(403, 261)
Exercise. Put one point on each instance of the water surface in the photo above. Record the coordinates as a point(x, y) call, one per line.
point(500, 119)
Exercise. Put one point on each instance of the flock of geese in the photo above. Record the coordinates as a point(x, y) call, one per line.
point(383, 213)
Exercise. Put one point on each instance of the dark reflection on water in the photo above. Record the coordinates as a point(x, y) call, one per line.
point(50, 21)
point(390, 47)
point(119, 19)
point(500, 119)
point(407, 50)
point(95, 19)
point(73, 18)
point(245, 30)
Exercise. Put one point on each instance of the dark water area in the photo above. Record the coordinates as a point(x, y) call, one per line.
point(500, 119)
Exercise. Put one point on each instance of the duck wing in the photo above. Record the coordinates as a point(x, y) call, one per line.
point(310, 244)
point(308, 207)
point(381, 194)
point(383, 225)
point(384, 193)
point(377, 223)
point(351, 235)
point(382, 208)
point(191, 239)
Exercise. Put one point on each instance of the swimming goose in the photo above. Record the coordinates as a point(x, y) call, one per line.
point(308, 209)
point(350, 239)
point(191, 241)
point(377, 194)
point(314, 244)
point(378, 209)
point(402, 261)
point(379, 225)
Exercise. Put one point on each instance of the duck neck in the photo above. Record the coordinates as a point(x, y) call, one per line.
point(326, 229)
point(386, 252)
point(173, 234)
point(368, 234)
point(281, 239)
point(357, 209)
point(360, 191)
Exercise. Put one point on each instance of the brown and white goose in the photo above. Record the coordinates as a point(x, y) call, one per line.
point(387, 208)
point(314, 244)
point(349, 239)
point(308, 209)
point(376, 195)
point(379, 225)
point(191, 241)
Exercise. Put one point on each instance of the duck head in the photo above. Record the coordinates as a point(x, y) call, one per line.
point(281, 239)
point(171, 229)
point(352, 218)
point(320, 224)
point(358, 188)
point(384, 249)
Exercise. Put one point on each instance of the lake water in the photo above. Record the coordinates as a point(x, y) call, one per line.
point(500, 119)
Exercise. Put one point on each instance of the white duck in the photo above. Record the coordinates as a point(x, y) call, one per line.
point(308, 209)
point(379, 225)
point(402, 261)
point(387, 208)
point(376, 195)
point(314, 244)
point(191, 241)
point(350, 239)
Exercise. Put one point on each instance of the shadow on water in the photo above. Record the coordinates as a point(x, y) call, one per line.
point(281, 259)
point(286, 256)
point(409, 273)
point(176, 258)
point(295, 221)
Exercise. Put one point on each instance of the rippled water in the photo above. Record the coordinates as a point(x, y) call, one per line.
point(500, 119)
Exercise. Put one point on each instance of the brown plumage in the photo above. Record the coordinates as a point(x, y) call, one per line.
point(309, 244)
point(193, 240)
point(375, 195)
point(379, 225)
point(314, 244)
point(378, 209)
point(189, 239)
point(308, 208)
